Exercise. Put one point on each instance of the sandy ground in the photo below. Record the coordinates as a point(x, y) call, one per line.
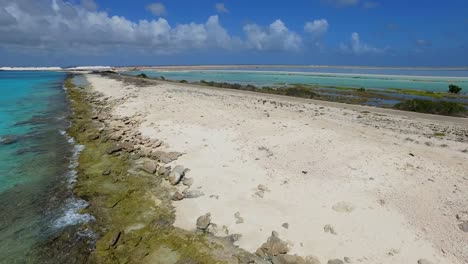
point(388, 187)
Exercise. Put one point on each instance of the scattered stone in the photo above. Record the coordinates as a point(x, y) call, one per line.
point(193, 194)
point(187, 181)
point(93, 136)
point(329, 229)
point(239, 219)
point(263, 188)
point(463, 216)
point(113, 149)
point(347, 260)
point(107, 172)
point(312, 260)
point(177, 174)
point(164, 171)
point(288, 259)
point(178, 196)
point(343, 207)
point(424, 261)
point(335, 261)
point(304, 172)
point(234, 237)
point(285, 225)
point(9, 139)
point(127, 146)
point(260, 194)
point(150, 166)
point(273, 247)
point(204, 221)
point(463, 227)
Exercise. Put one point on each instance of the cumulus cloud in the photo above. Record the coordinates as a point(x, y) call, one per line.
point(317, 27)
point(221, 8)
point(356, 46)
point(342, 3)
point(59, 26)
point(157, 9)
point(275, 37)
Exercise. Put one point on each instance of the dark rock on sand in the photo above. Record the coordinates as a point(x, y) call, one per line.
point(177, 174)
point(204, 221)
point(107, 172)
point(424, 261)
point(335, 261)
point(273, 247)
point(178, 196)
point(464, 227)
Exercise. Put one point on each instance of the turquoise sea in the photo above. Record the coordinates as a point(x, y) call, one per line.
point(36, 168)
point(419, 79)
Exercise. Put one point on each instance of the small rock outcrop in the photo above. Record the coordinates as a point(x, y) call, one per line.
point(150, 166)
point(178, 196)
point(273, 247)
point(203, 222)
point(177, 174)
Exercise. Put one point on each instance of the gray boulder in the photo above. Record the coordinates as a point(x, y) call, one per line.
point(203, 222)
point(273, 247)
point(150, 166)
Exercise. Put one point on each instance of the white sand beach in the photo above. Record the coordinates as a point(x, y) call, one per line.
point(334, 180)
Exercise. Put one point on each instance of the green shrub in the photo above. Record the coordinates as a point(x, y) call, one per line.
point(361, 90)
point(432, 107)
point(300, 92)
point(454, 89)
point(183, 81)
point(142, 75)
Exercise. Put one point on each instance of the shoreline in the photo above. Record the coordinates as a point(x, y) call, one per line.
point(182, 114)
point(131, 206)
point(328, 74)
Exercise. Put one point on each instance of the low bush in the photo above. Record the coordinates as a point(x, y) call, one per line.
point(454, 89)
point(142, 75)
point(432, 107)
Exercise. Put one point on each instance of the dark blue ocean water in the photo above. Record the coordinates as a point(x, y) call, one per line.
point(35, 170)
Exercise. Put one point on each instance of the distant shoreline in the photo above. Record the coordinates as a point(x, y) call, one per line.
point(460, 68)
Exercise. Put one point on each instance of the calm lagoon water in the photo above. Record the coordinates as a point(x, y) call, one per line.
point(36, 170)
point(431, 80)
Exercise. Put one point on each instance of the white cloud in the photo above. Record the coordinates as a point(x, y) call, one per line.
point(221, 8)
point(342, 3)
point(60, 27)
point(356, 46)
point(157, 9)
point(276, 37)
point(317, 27)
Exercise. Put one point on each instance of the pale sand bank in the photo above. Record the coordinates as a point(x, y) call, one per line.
point(314, 159)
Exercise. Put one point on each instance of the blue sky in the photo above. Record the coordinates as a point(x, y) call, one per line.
point(326, 32)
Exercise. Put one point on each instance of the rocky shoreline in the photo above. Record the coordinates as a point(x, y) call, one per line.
point(130, 189)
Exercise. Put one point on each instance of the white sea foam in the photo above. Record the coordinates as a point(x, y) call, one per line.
point(73, 205)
